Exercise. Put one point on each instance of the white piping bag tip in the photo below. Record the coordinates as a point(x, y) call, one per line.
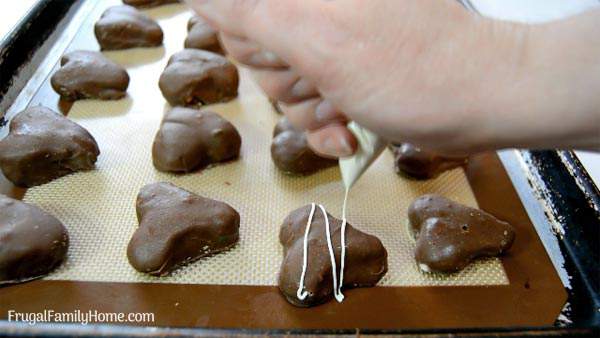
point(370, 146)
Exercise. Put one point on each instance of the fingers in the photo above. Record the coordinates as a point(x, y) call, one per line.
point(313, 114)
point(225, 15)
point(325, 127)
point(334, 140)
point(302, 89)
point(285, 86)
point(250, 53)
point(272, 74)
point(275, 25)
point(250, 31)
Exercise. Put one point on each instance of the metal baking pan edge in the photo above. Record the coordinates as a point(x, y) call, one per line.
point(570, 206)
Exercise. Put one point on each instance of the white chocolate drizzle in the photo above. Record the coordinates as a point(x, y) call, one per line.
point(339, 296)
point(337, 288)
point(301, 293)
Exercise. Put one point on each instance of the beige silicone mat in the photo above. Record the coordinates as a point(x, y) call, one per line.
point(98, 206)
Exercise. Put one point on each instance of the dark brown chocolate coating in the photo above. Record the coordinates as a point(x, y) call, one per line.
point(89, 75)
point(365, 264)
point(123, 27)
point(290, 151)
point(43, 145)
point(149, 3)
point(197, 77)
point(202, 36)
point(190, 139)
point(178, 227)
point(419, 164)
point(32, 242)
point(450, 235)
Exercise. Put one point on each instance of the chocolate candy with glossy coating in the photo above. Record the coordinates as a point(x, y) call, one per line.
point(32, 242)
point(190, 139)
point(197, 77)
point(420, 164)
point(123, 27)
point(292, 155)
point(365, 263)
point(202, 36)
point(89, 75)
point(43, 145)
point(178, 227)
point(450, 235)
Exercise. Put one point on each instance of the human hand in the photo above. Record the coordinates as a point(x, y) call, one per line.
point(425, 72)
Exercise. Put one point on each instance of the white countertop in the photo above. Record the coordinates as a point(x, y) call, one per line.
point(532, 10)
point(11, 12)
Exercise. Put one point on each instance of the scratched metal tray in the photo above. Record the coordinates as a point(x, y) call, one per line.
point(567, 223)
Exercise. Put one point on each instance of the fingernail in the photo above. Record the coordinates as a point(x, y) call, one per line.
point(346, 148)
point(265, 59)
point(325, 112)
point(271, 57)
point(336, 146)
point(302, 88)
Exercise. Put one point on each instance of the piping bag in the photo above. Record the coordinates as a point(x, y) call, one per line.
point(370, 146)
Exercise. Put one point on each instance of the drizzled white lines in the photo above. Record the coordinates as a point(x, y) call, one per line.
point(337, 288)
point(301, 293)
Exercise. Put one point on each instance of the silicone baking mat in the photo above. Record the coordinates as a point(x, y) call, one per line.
point(98, 207)
point(237, 289)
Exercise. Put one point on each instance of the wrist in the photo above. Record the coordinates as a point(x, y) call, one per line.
point(550, 98)
point(498, 104)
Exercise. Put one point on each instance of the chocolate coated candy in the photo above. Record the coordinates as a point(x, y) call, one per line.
point(197, 77)
point(420, 164)
point(202, 36)
point(43, 145)
point(365, 263)
point(451, 235)
point(32, 242)
point(178, 227)
point(122, 27)
point(290, 151)
point(89, 75)
point(189, 139)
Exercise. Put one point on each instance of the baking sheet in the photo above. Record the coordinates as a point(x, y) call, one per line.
point(534, 296)
point(98, 207)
